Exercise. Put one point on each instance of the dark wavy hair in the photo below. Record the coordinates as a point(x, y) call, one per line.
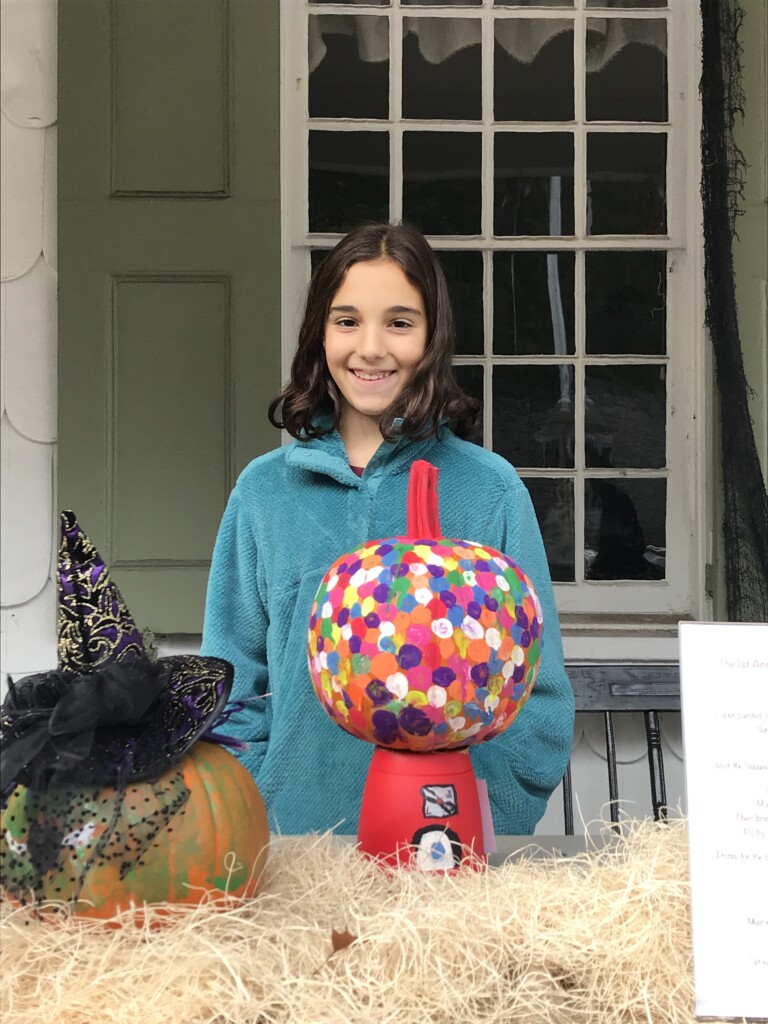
point(431, 395)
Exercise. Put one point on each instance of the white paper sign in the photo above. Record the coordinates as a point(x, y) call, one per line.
point(724, 691)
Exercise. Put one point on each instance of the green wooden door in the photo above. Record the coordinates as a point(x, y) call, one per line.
point(169, 280)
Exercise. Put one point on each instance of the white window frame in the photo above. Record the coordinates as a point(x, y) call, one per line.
point(623, 619)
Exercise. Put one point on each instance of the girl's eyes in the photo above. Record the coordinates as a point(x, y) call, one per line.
point(400, 325)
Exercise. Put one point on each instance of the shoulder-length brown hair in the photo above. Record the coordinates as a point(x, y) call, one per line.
point(431, 396)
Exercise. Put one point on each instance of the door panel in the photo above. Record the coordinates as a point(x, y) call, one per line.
point(169, 286)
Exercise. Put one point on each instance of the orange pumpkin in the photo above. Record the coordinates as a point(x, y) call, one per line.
point(198, 832)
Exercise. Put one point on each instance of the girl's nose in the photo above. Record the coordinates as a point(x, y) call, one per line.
point(370, 344)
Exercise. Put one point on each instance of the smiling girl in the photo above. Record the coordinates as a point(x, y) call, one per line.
point(371, 390)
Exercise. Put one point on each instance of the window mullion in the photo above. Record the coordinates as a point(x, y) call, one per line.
point(395, 115)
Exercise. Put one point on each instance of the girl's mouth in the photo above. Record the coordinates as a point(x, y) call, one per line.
point(381, 375)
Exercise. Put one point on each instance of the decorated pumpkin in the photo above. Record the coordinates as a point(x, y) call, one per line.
point(122, 791)
point(196, 832)
point(423, 643)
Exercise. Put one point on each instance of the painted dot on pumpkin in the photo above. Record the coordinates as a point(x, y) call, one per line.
point(409, 656)
point(474, 609)
point(443, 676)
point(414, 721)
point(479, 674)
point(471, 628)
point(385, 726)
point(397, 684)
point(436, 696)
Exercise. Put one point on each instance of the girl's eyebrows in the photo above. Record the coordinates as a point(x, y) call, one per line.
point(405, 309)
point(392, 310)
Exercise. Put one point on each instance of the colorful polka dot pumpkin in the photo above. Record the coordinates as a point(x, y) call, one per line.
point(423, 643)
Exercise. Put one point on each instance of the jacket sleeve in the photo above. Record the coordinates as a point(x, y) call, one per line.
point(526, 762)
point(235, 627)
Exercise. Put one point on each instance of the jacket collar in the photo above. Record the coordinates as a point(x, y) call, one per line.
point(327, 455)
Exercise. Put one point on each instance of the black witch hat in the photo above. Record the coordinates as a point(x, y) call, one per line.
point(110, 713)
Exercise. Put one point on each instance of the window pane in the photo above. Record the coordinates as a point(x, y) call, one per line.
point(625, 529)
point(553, 502)
point(464, 274)
point(470, 379)
point(441, 69)
point(533, 70)
point(626, 69)
point(316, 257)
point(533, 414)
point(441, 3)
point(441, 182)
point(626, 303)
point(626, 182)
point(533, 183)
point(348, 179)
point(625, 416)
point(533, 303)
point(627, 3)
point(349, 66)
point(366, 3)
point(533, 3)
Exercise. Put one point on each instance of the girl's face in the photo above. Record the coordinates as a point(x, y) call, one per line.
point(375, 336)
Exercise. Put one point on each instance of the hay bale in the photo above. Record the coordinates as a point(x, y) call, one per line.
point(601, 938)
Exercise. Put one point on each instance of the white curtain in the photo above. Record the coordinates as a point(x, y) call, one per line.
point(522, 38)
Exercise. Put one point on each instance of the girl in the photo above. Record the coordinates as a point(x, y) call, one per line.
point(371, 390)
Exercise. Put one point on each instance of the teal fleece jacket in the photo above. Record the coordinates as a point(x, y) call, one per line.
point(291, 514)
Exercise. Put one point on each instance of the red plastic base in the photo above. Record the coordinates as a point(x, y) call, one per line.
point(422, 810)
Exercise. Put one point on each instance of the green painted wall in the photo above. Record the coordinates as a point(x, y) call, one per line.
point(751, 254)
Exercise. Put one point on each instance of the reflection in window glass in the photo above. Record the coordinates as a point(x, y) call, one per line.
point(533, 70)
point(348, 179)
point(470, 379)
point(533, 414)
point(349, 70)
point(625, 416)
point(625, 529)
point(533, 303)
point(533, 186)
point(441, 182)
point(626, 69)
point(626, 182)
point(626, 299)
point(464, 276)
point(553, 502)
point(442, 69)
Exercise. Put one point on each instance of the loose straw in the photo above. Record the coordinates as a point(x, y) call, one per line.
point(600, 938)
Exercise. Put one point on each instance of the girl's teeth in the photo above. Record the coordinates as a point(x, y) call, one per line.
point(372, 376)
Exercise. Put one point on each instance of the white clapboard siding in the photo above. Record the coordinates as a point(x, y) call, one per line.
point(28, 337)
point(28, 54)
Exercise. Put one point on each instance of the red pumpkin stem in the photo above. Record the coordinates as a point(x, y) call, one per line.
point(423, 509)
